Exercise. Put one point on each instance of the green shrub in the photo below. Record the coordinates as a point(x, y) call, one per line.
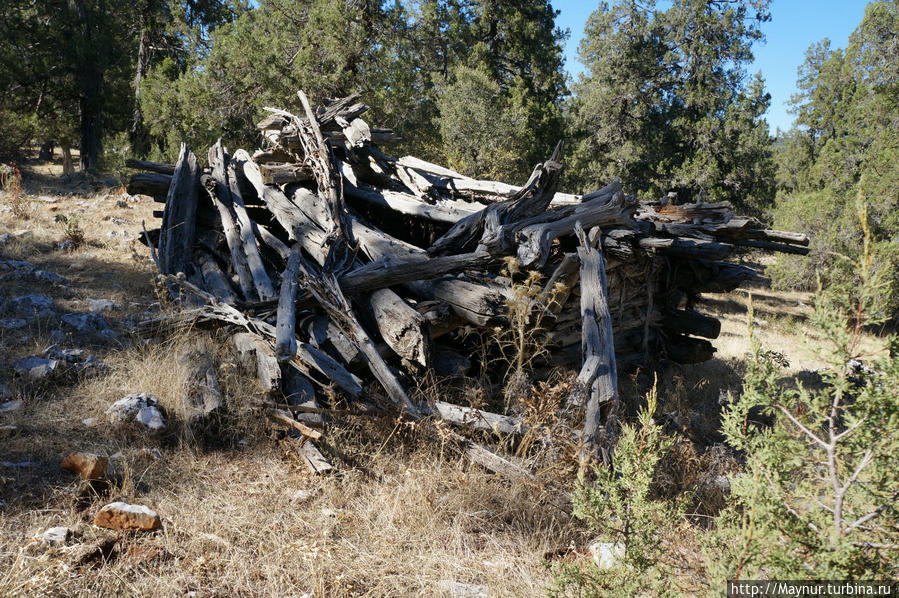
point(620, 507)
point(818, 495)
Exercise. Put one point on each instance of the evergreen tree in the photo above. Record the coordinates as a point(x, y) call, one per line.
point(666, 104)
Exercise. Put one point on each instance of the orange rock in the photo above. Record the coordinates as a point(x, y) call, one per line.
point(87, 465)
point(122, 516)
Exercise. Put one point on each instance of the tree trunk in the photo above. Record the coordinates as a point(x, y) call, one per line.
point(68, 168)
point(139, 133)
point(89, 72)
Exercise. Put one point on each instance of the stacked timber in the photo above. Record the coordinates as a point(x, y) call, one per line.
point(338, 264)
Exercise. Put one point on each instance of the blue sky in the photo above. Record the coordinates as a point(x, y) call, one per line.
point(795, 25)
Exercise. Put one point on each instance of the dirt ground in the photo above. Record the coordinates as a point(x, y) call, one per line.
point(240, 518)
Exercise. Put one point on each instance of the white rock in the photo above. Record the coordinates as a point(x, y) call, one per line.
point(457, 589)
point(11, 405)
point(35, 367)
point(142, 408)
point(90, 422)
point(607, 554)
point(95, 305)
point(85, 322)
point(56, 536)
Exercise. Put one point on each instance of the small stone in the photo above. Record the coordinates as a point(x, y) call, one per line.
point(35, 367)
point(12, 323)
point(51, 277)
point(90, 422)
point(11, 406)
point(85, 322)
point(301, 495)
point(96, 305)
point(141, 407)
point(87, 465)
point(56, 536)
point(457, 589)
point(108, 334)
point(122, 516)
point(607, 554)
point(47, 199)
point(33, 305)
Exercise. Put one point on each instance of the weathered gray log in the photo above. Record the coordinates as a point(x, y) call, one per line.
point(442, 210)
point(261, 281)
point(689, 248)
point(770, 246)
point(535, 238)
point(147, 183)
point(489, 227)
point(286, 340)
point(324, 288)
point(599, 371)
point(401, 326)
point(214, 279)
point(202, 397)
point(454, 184)
point(217, 187)
point(266, 236)
point(150, 166)
point(306, 453)
point(326, 336)
point(477, 419)
point(558, 288)
point(255, 354)
point(283, 174)
point(176, 241)
point(284, 418)
point(299, 392)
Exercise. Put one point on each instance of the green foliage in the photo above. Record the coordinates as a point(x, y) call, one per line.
point(845, 145)
point(71, 229)
point(619, 506)
point(818, 496)
point(480, 129)
point(666, 105)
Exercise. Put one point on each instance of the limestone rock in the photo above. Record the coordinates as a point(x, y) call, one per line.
point(35, 367)
point(141, 407)
point(457, 589)
point(33, 305)
point(87, 465)
point(122, 516)
point(95, 305)
point(85, 322)
point(56, 536)
point(607, 554)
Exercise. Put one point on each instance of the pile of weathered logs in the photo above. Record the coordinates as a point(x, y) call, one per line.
point(335, 259)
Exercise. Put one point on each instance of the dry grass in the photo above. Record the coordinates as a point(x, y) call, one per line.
point(240, 518)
